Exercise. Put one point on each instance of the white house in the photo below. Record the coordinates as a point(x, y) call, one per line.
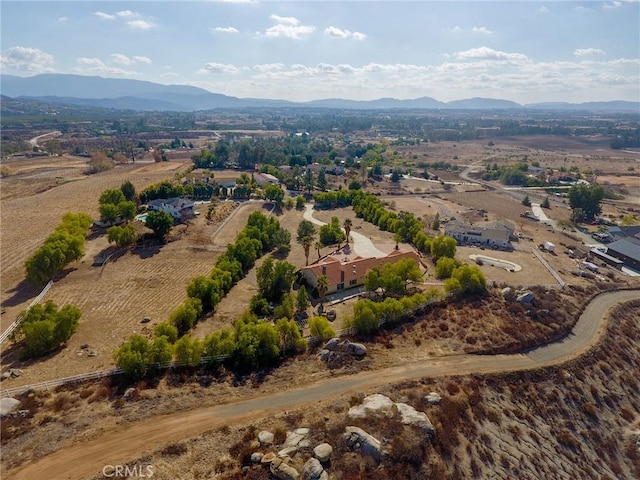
point(491, 235)
point(179, 208)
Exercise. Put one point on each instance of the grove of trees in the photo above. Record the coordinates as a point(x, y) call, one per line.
point(63, 246)
point(45, 328)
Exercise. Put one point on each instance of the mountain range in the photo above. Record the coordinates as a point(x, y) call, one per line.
point(148, 96)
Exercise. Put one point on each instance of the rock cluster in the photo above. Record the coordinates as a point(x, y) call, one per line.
point(334, 348)
point(282, 464)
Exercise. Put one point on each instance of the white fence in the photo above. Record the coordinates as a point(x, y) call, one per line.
point(18, 320)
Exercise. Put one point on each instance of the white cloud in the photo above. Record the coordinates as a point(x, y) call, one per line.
point(542, 9)
point(219, 68)
point(611, 5)
point(169, 75)
point(483, 30)
point(121, 59)
point(95, 66)
point(224, 30)
point(586, 52)
point(141, 24)
point(27, 59)
point(63, 19)
point(488, 53)
point(104, 16)
point(268, 67)
point(335, 32)
point(285, 20)
point(127, 13)
point(287, 27)
point(142, 59)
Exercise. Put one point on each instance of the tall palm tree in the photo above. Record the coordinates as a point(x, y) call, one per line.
point(347, 227)
point(322, 286)
point(306, 244)
point(318, 246)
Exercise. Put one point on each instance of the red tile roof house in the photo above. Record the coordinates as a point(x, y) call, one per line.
point(345, 270)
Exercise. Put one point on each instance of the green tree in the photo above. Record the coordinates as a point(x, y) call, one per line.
point(321, 328)
point(306, 245)
point(322, 180)
point(435, 225)
point(445, 267)
point(188, 351)
point(466, 279)
point(132, 357)
point(302, 300)
point(587, 199)
point(275, 194)
point(186, 315)
point(322, 285)
point(165, 329)
point(122, 236)
point(443, 246)
point(526, 201)
point(545, 203)
point(127, 210)
point(274, 278)
point(392, 277)
point(111, 196)
point(128, 190)
point(331, 233)
point(364, 320)
point(108, 213)
point(308, 180)
point(300, 201)
point(291, 340)
point(160, 350)
point(218, 346)
point(305, 229)
point(160, 222)
point(285, 309)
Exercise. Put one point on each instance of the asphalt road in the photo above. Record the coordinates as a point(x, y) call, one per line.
point(87, 459)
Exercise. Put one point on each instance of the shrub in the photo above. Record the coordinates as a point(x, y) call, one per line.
point(321, 328)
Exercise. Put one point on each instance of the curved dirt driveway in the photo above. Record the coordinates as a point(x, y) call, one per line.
point(123, 445)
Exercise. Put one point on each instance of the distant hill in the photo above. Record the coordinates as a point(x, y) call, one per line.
point(125, 94)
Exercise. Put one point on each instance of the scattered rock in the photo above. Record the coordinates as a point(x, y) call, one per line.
point(287, 452)
point(506, 292)
point(84, 346)
point(268, 458)
point(323, 452)
point(282, 471)
point(332, 344)
point(256, 457)
point(358, 439)
point(5, 376)
point(92, 353)
point(128, 394)
point(312, 470)
point(525, 297)
point(15, 372)
point(433, 398)
point(325, 355)
point(8, 405)
point(265, 438)
point(410, 416)
point(295, 437)
point(371, 404)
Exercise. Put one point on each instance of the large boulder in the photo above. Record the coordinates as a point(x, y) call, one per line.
point(323, 452)
point(265, 438)
point(356, 349)
point(358, 439)
point(268, 458)
point(8, 406)
point(332, 344)
point(375, 403)
point(410, 416)
point(312, 470)
point(283, 471)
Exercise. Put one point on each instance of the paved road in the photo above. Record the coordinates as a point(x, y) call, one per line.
point(87, 459)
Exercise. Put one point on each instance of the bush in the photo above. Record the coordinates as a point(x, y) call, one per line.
point(321, 328)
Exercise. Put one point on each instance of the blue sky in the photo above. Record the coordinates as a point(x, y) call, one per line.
point(523, 51)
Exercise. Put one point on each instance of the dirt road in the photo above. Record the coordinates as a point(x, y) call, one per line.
point(115, 448)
